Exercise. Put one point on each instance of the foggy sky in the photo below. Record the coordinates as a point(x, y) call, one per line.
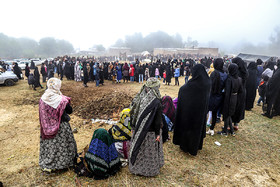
point(88, 22)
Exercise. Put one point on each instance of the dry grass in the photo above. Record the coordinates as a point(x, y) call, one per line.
point(249, 159)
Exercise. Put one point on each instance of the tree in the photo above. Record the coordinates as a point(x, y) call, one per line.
point(48, 47)
point(274, 47)
point(29, 47)
point(64, 47)
point(191, 43)
point(135, 42)
point(119, 43)
point(99, 47)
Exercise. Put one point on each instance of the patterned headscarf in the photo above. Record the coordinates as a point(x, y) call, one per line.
point(154, 84)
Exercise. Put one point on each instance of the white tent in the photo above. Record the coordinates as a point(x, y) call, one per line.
point(145, 53)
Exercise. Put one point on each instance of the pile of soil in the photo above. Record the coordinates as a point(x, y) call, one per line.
point(102, 103)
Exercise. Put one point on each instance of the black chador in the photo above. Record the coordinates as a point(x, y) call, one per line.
point(251, 86)
point(192, 108)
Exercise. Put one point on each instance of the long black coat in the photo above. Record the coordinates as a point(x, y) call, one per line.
point(27, 71)
point(192, 108)
point(233, 88)
point(272, 97)
point(243, 74)
point(251, 86)
point(168, 74)
point(37, 78)
point(17, 71)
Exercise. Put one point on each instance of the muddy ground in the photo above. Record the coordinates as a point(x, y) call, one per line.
point(249, 159)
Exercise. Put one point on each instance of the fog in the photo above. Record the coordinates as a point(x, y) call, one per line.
point(233, 26)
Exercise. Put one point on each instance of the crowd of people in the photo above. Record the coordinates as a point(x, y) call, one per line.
point(218, 89)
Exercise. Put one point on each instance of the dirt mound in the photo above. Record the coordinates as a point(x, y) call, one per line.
point(100, 103)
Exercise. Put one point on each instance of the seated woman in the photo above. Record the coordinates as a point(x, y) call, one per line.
point(121, 133)
point(102, 157)
point(58, 147)
point(146, 153)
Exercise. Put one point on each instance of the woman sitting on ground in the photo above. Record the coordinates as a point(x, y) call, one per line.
point(58, 147)
point(102, 157)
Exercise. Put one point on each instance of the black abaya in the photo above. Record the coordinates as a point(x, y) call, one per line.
point(192, 108)
point(251, 86)
point(243, 74)
point(168, 74)
point(272, 98)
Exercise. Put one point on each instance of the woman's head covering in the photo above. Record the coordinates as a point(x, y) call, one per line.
point(154, 84)
point(252, 66)
point(52, 95)
point(259, 62)
point(198, 72)
point(219, 64)
point(270, 65)
point(242, 70)
point(233, 70)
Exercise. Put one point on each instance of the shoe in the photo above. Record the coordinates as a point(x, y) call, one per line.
point(210, 132)
point(233, 134)
point(235, 128)
point(222, 133)
point(47, 170)
point(218, 120)
point(208, 125)
point(258, 104)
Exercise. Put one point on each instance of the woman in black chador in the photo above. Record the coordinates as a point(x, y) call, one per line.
point(37, 78)
point(218, 79)
point(27, 70)
point(243, 74)
point(251, 86)
point(192, 108)
point(17, 70)
point(85, 71)
point(168, 74)
point(271, 106)
point(233, 89)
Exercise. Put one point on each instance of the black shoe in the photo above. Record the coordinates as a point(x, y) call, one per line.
point(222, 133)
point(218, 120)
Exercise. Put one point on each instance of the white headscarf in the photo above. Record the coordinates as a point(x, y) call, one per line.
point(52, 95)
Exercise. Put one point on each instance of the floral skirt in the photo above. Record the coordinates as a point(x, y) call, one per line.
point(60, 151)
point(150, 157)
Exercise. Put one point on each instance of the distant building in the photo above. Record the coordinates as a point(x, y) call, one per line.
point(201, 51)
point(118, 51)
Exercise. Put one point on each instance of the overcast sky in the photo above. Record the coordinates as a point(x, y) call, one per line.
point(88, 22)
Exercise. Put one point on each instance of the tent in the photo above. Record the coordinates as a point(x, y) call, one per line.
point(145, 53)
point(253, 58)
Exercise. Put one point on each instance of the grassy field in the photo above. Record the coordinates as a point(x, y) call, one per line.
point(249, 159)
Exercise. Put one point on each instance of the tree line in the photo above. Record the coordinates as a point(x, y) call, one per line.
point(11, 47)
point(158, 39)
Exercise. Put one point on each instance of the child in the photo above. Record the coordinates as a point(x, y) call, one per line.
point(177, 75)
point(164, 76)
point(261, 89)
point(114, 72)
